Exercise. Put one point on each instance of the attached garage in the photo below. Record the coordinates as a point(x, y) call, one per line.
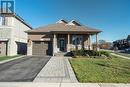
point(21, 48)
point(42, 48)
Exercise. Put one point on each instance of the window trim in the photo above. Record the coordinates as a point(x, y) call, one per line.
point(77, 39)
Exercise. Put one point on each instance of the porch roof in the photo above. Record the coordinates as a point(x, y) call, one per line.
point(65, 28)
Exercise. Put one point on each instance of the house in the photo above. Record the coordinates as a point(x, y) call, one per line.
point(62, 36)
point(13, 39)
point(128, 39)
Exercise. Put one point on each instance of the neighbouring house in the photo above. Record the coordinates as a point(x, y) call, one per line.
point(103, 45)
point(128, 39)
point(62, 36)
point(122, 43)
point(13, 39)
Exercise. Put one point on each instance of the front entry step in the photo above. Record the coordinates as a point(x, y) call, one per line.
point(60, 54)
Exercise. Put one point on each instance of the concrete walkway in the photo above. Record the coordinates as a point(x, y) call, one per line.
point(120, 56)
point(57, 70)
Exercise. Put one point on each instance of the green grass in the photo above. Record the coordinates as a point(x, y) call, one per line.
point(8, 57)
point(115, 70)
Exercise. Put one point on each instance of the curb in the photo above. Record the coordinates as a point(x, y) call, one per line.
point(8, 60)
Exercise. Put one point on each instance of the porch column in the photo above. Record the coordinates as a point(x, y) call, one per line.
point(90, 45)
point(68, 43)
point(86, 42)
point(54, 44)
point(97, 46)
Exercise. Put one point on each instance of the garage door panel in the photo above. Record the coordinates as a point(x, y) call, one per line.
point(41, 48)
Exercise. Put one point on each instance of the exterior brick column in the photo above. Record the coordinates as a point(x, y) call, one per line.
point(54, 44)
point(68, 43)
point(29, 47)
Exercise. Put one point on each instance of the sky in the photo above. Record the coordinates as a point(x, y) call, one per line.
point(110, 16)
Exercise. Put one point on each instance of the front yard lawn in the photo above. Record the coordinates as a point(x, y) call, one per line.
point(115, 70)
point(7, 57)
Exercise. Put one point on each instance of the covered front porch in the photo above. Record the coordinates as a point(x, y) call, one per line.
point(66, 42)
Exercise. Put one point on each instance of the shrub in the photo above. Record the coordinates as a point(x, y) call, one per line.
point(105, 53)
point(92, 53)
point(84, 52)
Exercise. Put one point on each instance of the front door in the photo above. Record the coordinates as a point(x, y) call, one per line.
point(62, 44)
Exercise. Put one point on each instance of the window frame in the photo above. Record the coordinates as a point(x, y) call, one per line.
point(77, 39)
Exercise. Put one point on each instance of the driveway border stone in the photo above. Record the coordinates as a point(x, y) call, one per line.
point(70, 70)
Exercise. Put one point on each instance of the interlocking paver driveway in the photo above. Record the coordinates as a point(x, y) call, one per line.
point(23, 69)
point(57, 70)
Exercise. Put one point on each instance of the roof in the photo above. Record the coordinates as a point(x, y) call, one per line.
point(9, 13)
point(72, 26)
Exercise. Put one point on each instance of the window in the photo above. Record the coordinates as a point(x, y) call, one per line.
point(2, 20)
point(77, 40)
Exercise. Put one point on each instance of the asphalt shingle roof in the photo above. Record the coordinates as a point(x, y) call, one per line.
point(63, 27)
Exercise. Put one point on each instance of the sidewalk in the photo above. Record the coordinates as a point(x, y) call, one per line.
point(57, 70)
point(40, 84)
point(119, 56)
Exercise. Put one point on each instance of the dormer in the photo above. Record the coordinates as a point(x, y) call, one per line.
point(73, 22)
point(62, 21)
